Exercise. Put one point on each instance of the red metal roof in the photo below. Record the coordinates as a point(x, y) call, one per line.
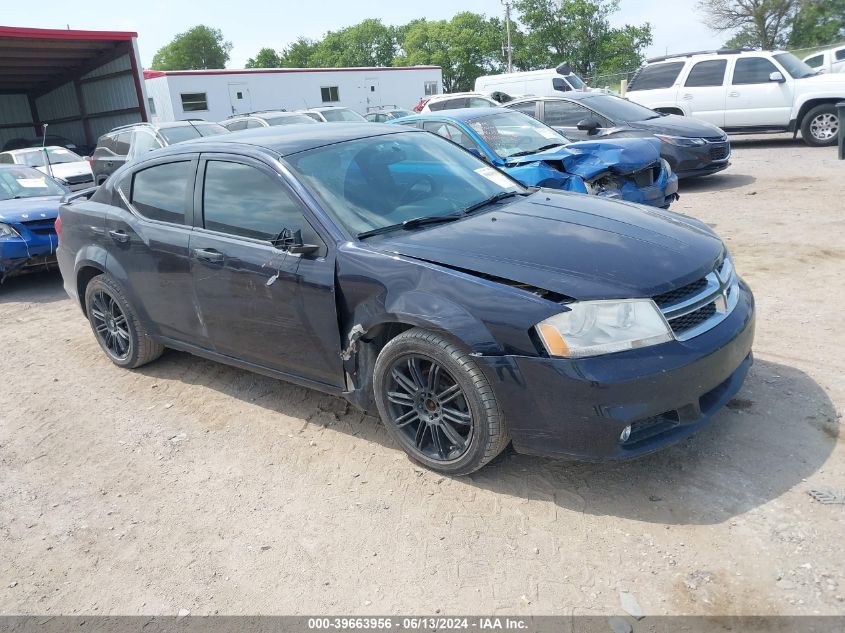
point(64, 34)
point(151, 74)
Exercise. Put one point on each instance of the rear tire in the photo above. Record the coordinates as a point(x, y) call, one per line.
point(437, 404)
point(116, 325)
point(820, 126)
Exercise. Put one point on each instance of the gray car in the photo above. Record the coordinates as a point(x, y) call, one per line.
point(691, 147)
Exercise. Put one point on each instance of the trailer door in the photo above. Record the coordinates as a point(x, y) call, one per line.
point(240, 99)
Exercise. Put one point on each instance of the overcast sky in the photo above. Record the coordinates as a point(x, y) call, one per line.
point(275, 23)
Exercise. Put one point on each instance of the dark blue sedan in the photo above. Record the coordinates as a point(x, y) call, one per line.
point(29, 204)
point(538, 156)
point(392, 268)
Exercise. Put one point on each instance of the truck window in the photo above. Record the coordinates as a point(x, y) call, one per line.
point(656, 76)
point(559, 84)
point(707, 73)
point(753, 70)
point(815, 61)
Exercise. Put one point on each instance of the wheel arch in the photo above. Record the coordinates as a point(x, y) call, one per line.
point(809, 104)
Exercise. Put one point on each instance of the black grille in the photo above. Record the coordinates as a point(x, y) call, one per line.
point(680, 294)
point(78, 180)
point(697, 317)
point(41, 227)
point(646, 177)
point(650, 427)
point(719, 151)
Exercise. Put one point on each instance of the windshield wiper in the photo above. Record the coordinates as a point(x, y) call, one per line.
point(534, 151)
point(492, 199)
point(412, 224)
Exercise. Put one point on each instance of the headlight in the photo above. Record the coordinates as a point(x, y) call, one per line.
point(590, 328)
point(681, 141)
point(8, 231)
point(666, 167)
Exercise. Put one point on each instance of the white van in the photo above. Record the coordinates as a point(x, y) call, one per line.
point(550, 82)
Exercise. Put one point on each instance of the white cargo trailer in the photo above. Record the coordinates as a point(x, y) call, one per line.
point(214, 95)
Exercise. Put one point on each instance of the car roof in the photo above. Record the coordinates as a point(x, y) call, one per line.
point(716, 54)
point(29, 149)
point(323, 108)
point(574, 95)
point(291, 139)
point(462, 114)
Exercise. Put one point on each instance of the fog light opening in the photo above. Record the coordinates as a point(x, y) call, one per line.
point(626, 434)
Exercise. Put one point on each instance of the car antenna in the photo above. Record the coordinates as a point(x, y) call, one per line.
point(44, 148)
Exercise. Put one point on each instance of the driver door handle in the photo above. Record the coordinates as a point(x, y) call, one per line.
point(733, 94)
point(209, 255)
point(119, 236)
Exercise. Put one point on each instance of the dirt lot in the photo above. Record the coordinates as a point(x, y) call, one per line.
point(191, 485)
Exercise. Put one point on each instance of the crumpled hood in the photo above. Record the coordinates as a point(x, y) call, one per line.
point(581, 246)
point(588, 159)
point(674, 125)
point(28, 209)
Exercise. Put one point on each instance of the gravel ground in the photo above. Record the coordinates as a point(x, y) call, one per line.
point(191, 485)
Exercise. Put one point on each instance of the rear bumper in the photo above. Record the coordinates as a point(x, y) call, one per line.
point(667, 392)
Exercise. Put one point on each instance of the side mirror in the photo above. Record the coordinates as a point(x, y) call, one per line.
point(777, 76)
point(590, 126)
point(291, 241)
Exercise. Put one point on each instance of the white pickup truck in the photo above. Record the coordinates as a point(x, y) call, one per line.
point(744, 92)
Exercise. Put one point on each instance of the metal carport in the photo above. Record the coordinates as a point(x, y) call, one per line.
point(82, 83)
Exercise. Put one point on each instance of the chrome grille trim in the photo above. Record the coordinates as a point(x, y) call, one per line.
point(721, 290)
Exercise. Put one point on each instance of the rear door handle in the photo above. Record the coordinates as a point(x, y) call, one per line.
point(733, 94)
point(119, 236)
point(209, 255)
point(687, 97)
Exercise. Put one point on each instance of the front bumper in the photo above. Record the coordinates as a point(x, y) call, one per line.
point(667, 392)
point(31, 252)
point(688, 162)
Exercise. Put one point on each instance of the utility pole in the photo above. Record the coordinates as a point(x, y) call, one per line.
point(507, 4)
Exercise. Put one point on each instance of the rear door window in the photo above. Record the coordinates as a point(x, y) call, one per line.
point(656, 76)
point(122, 143)
point(526, 107)
point(262, 214)
point(251, 124)
point(753, 70)
point(707, 73)
point(565, 114)
point(161, 192)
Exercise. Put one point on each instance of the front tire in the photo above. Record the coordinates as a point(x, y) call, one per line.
point(116, 325)
point(437, 404)
point(820, 126)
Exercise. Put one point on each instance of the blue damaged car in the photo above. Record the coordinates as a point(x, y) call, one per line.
point(29, 205)
point(538, 156)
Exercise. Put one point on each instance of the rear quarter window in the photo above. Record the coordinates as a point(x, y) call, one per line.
point(656, 76)
point(161, 192)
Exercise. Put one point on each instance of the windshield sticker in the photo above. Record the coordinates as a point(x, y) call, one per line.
point(495, 176)
point(32, 183)
point(546, 132)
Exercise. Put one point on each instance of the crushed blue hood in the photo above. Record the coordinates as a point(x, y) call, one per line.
point(29, 209)
point(588, 159)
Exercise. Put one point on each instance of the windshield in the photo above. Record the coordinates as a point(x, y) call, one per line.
point(25, 182)
point(515, 134)
point(619, 110)
point(289, 119)
point(342, 114)
point(575, 81)
point(794, 66)
point(381, 181)
point(36, 158)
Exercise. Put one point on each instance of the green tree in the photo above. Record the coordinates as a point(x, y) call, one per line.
point(760, 23)
point(579, 31)
point(299, 54)
point(465, 47)
point(199, 48)
point(818, 23)
point(266, 58)
point(368, 43)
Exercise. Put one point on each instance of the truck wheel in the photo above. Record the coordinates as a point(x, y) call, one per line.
point(116, 325)
point(820, 126)
point(437, 404)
